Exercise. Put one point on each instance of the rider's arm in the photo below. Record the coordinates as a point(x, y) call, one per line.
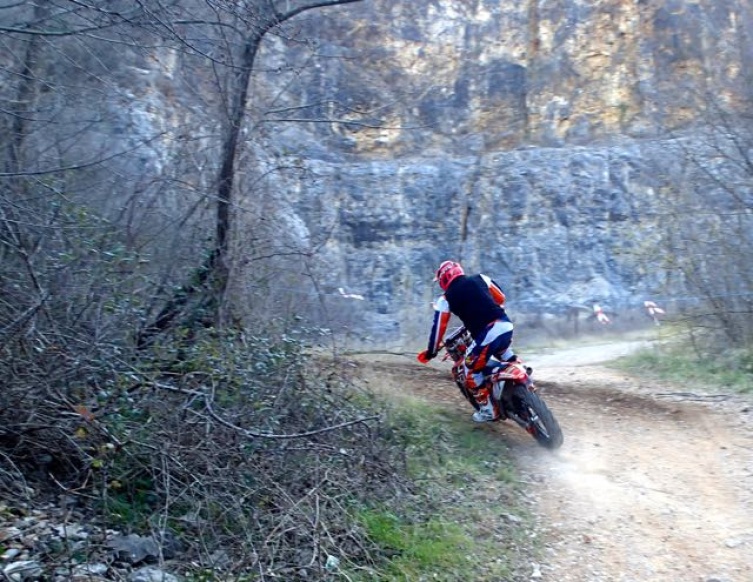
point(439, 326)
point(496, 291)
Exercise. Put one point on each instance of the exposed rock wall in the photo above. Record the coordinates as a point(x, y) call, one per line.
point(532, 140)
point(555, 226)
point(479, 75)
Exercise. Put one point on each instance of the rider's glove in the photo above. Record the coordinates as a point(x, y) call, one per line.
point(424, 357)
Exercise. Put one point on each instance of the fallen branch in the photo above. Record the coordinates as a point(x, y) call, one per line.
point(266, 435)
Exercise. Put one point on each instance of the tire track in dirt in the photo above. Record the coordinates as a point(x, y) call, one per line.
point(646, 488)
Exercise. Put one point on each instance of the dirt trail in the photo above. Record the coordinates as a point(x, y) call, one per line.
point(653, 484)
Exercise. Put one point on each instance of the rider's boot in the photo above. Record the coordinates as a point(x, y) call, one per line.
point(487, 410)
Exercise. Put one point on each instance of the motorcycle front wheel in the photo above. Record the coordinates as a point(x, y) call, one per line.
point(541, 423)
point(460, 383)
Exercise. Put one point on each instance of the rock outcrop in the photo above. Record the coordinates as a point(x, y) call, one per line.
point(534, 141)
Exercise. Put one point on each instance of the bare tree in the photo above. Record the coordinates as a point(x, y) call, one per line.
point(708, 224)
point(252, 21)
point(110, 186)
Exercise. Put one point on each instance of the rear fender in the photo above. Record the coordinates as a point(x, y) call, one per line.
point(503, 380)
point(515, 371)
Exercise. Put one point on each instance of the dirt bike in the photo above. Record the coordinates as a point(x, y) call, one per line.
point(513, 391)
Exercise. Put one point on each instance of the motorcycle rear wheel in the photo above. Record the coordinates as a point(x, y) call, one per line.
point(541, 422)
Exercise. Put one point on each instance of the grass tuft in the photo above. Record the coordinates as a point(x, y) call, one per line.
point(677, 362)
point(457, 525)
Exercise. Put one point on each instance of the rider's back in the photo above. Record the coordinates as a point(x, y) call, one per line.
point(469, 298)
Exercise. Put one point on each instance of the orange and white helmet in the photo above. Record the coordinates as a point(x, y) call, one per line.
point(447, 272)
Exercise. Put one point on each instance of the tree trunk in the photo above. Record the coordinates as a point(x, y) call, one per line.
point(213, 276)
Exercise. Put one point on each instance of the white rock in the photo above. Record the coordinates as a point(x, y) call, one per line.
point(20, 571)
point(151, 575)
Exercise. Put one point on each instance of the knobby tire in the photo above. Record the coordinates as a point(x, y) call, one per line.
point(544, 427)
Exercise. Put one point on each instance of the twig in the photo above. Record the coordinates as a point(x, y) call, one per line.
point(379, 352)
point(692, 396)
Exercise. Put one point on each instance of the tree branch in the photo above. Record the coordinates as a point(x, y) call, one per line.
point(264, 435)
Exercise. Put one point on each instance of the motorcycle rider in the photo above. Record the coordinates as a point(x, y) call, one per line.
point(478, 302)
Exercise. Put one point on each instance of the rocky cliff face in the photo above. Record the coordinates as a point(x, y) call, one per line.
point(531, 140)
point(475, 75)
